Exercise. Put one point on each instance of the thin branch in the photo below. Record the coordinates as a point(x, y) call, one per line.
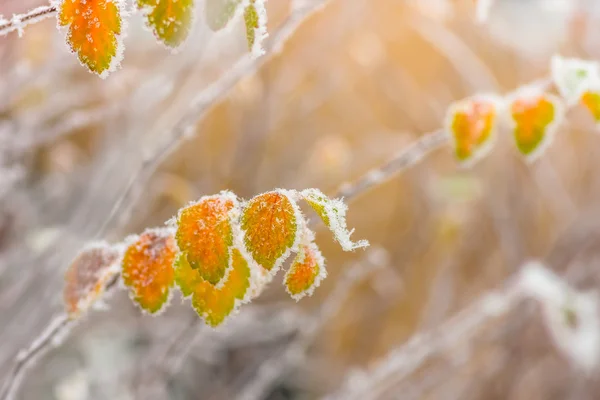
point(406, 158)
point(59, 325)
point(20, 21)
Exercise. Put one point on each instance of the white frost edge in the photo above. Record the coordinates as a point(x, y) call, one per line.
point(482, 151)
point(115, 62)
point(260, 33)
point(308, 241)
point(337, 220)
point(551, 130)
point(563, 72)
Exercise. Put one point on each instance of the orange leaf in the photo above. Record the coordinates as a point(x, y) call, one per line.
point(471, 124)
point(148, 268)
point(591, 101)
point(535, 117)
point(94, 32)
point(270, 227)
point(306, 273)
point(204, 235)
point(87, 277)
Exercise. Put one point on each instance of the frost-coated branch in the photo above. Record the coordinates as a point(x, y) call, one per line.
point(57, 327)
point(20, 21)
point(403, 160)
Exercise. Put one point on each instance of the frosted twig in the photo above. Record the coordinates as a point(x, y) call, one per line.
point(56, 330)
point(271, 370)
point(20, 21)
point(25, 358)
point(406, 158)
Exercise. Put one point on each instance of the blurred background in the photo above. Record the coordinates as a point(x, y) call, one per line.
point(356, 83)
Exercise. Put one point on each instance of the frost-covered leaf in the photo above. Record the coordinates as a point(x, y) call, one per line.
point(573, 77)
point(472, 125)
point(255, 17)
point(204, 234)
point(271, 223)
point(214, 304)
point(87, 276)
point(535, 117)
point(95, 28)
point(219, 12)
point(306, 272)
point(591, 101)
point(333, 214)
point(170, 20)
point(147, 268)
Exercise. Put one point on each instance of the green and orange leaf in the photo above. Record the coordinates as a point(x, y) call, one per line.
point(214, 304)
point(306, 273)
point(87, 277)
point(147, 268)
point(204, 234)
point(94, 33)
point(472, 125)
point(219, 12)
point(169, 20)
point(270, 224)
point(535, 117)
point(333, 214)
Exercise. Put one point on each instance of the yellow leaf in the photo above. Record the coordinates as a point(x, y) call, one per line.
point(94, 32)
point(472, 125)
point(148, 269)
point(170, 20)
point(205, 235)
point(87, 277)
point(535, 117)
point(333, 214)
point(270, 225)
point(214, 304)
point(306, 273)
point(591, 101)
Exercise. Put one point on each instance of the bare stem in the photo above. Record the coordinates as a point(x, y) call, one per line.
point(20, 21)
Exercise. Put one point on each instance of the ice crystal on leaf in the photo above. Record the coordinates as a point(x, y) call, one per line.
point(94, 32)
point(255, 17)
point(170, 20)
point(472, 125)
point(535, 117)
point(333, 214)
point(205, 236)
point(87, 277)
point(148, 268)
